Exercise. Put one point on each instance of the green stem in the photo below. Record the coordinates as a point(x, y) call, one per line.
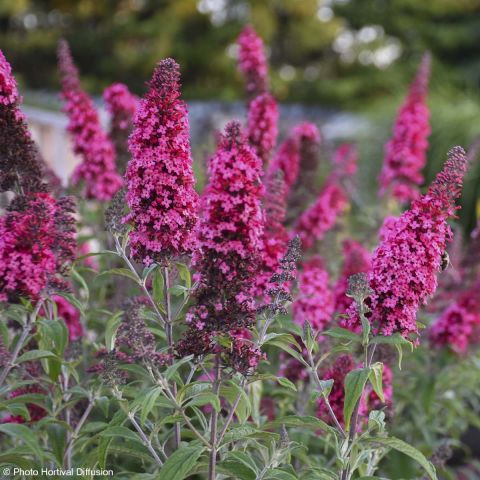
point(169, 334)
point(20, 342)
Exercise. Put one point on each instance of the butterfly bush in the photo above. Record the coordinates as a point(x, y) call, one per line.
point(287, 161)
point(458, 327)
point(20, 164)
point(405, 265)
point(406, 152)
point(315, 301)
point(262, 123)
point(228, 252)
point(159, 177)
point(37, 241)
point(297, 156)
point(345, 160)
point(184, 332)
point(121, 104)
point(320, 217)
point(97, 169)
point(274, 240)
point(252, 61)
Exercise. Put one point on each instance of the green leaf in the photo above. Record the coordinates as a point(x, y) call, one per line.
point(14, 459)
point(103, 447)
point(149, 403)
point(296, 421)
point(178, 290)
point(244, 407)
point(184, 273)
point(25, 434)
point(124, 450)
point(285, 338)
point(405, 448)
point(376, 419)
point(19, 409)
point(308, 337)
point(278, 474)
point(246, 431)
point(56, 435)
point(323, 392)
point(4, 332)
point(158, 284)
point(172, 369)
point(35, 355)
point(148, 270)
point(318, 473)
point(180, 463)
point(285, 382)
point(81, 281)
point(122, 272)
point(354, 384)
point(287, 348)
point(236, 469)
point(104, 442)
point(205, 398)
point(73, 300)
point(365, 330)
point(397, 340)
point(239, 465)
point(54, 335)
point(120, 431)
point(376, 379)
point(342, 333)
point(111, 330)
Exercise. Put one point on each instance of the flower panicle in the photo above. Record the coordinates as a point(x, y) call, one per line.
point(262, 125)
point(160, 182)
point(280, 281)
point(315, 300)
point(404, 267)
point(275, 236)
point(21, 166)
point(37, 245)
point(227, 257)
point(322, 215)
point(97, 169)
point(252, 61)
point(405, 153)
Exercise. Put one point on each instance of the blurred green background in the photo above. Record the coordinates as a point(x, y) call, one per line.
point(356, 55)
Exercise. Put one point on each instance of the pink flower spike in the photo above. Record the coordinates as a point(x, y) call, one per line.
point(405, 264)
point(8, 85)
point(262, 125)
point(315, 301)
point(345, 160)
point(121, 104)
point(458, 327)
point(37, 241)
point(160, 182)
point(405, 153)
point(275, 237)
point(320, 217)
point(90, 141)
point(227, 258)
point(252, 61)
